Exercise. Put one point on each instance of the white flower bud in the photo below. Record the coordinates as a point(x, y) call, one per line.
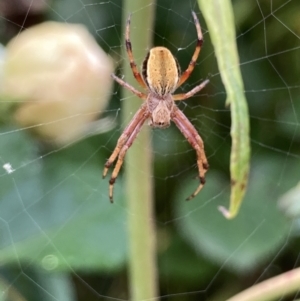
point(62, 78)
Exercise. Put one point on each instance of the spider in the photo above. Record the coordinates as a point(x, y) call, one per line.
point(160, 77)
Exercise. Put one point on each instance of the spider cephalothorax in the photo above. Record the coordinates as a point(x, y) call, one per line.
point(160, 77)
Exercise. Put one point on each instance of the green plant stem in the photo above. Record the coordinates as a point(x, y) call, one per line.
point(138, 171)
point(219, 17)
point(272, 289)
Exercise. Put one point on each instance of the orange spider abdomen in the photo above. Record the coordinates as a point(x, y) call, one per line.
point(161, 71)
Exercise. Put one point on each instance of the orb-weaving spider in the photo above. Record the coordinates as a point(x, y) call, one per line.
point(160, 77)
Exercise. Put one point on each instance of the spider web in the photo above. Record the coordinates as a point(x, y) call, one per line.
point(61, 239)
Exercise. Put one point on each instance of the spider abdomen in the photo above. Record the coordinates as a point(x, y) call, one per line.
point(161, 71)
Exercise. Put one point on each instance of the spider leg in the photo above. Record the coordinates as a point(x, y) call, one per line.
point(139, 115)
point(129, 87)
point(133, 66)
point(185, 75)
point(122, 154)
point(190, 93)
point(124, 142)
point(190, 133)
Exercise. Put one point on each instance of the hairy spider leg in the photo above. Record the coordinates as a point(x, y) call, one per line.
point(122, 154)
point(190, 133)
point(133, 66)
point(190, 93)
point(139, 115)
point(186, 74)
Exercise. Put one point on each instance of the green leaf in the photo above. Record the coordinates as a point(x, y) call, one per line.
point(55, 211)
point(18, 155)
point(35, 285)
point(260, 229)
point(180, 264)
point(223, 37)
point(290, 202)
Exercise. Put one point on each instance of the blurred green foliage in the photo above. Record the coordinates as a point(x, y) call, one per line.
point(57, 225)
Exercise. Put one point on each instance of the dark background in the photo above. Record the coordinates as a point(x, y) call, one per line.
point(62, 240)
